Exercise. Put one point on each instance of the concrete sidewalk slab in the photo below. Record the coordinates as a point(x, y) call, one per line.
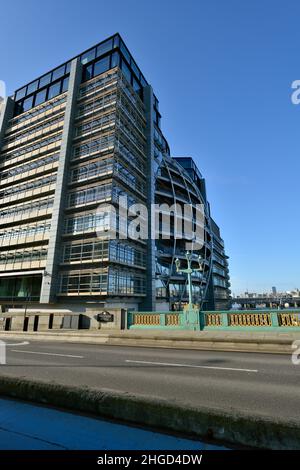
point(205, 423)
point(25, 426)
point(263, 342)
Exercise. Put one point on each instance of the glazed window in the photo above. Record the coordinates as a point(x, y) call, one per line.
point(54, 90)
point(40, 97)
point(45, 80)
point(101, 66)
point(27, 104)
point(88, 56)
point(104, 47)
point(57, 73)
point(32, 87)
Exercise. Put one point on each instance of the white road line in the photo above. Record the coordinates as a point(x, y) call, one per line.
point(191, 365)
point(46, 354)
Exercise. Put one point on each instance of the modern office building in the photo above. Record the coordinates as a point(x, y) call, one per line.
point(74, 143)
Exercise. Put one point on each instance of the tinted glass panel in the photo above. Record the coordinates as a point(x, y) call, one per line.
point(116, 41)
point(115, 59)
point(125, 52)
point(27, 104)
point(88, 56)
point(54, 90)
point(143, 82)
point(58, 73)
point(136, 85)
point(18, 108)
point(45, 80)
point(21, 93)
point(65, 85)
point(40, 97)
point(32, 87)
point(126, 71)
point(101, 66)
point(68, 67)
point(87, 72)
point(135, 69)
point(105, 47)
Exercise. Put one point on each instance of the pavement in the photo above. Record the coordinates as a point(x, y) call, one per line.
point(263, 385)
point(278, 341)
point(28, 427)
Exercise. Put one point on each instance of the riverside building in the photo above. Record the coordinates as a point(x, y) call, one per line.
point(85, 135)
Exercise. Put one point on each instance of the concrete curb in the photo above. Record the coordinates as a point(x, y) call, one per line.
point(273, 345)
point(250, 431)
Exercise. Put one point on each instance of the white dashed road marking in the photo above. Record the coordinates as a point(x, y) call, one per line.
point(45, 353)
point(191, 365)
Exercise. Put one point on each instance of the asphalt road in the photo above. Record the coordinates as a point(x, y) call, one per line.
point(258, 384)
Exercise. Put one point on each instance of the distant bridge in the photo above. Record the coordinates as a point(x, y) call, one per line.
point(268, 302)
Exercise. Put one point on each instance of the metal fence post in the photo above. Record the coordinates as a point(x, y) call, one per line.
point(274, 319)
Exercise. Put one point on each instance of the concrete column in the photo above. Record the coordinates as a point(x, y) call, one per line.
point(50, 282)
point(150, 300)
point(43, 323)
point(17, 323)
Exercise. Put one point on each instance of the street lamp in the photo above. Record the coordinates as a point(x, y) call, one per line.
point(192, 315)
point(189, 271)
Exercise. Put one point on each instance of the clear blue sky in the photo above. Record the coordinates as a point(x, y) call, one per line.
point(222, 71)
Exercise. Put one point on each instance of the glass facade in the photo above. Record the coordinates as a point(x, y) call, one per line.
point(97, 60)
point(111, 135)
point(22, 288)
point(41, 90)
point(175, 187)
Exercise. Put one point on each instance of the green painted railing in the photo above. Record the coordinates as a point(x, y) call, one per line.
point(218, 320)
point(155, 320)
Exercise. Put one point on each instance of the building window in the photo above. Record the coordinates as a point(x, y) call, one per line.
point(84, 282)
point(88, 56)
point(20, 287)
point(136, 85)
point(88, 72)
point(126, 71)
point(115, 59)
point(40, 97)
point(125, 283)
point(116, 41)
point(32, 87)
point(92, 251)
point(101, 66)
point(65, 84)
point(125, 52)
point(54, 90)
point(68, 67)
point(27, 104)
point(45, 80)
point(104, 47)
point(21, 93)
point(88, 223)
point(57, 73)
